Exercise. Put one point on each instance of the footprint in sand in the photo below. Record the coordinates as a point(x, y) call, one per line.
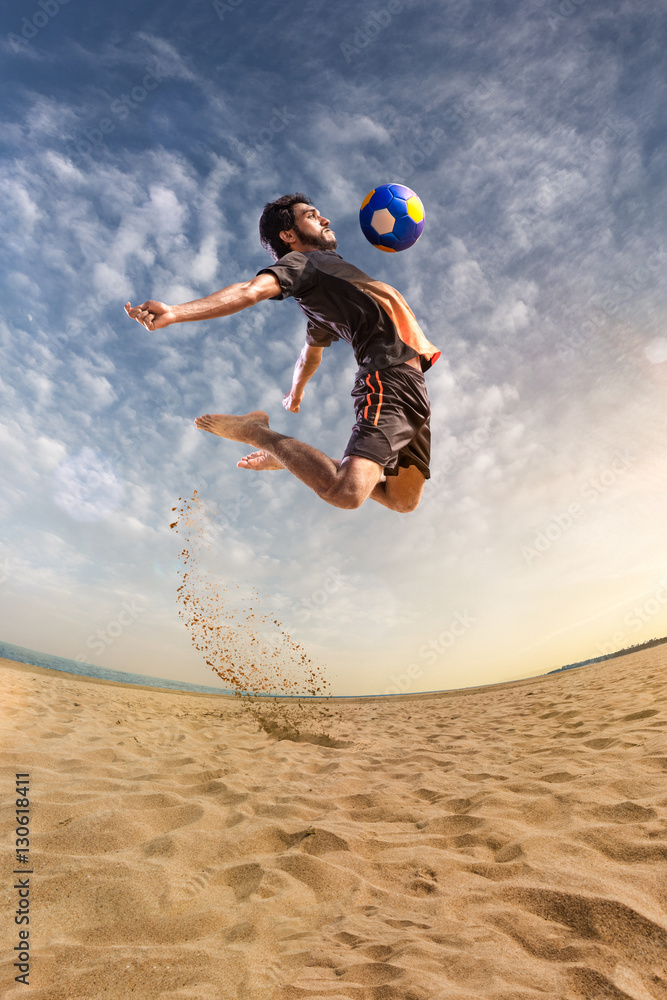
point(190, 886)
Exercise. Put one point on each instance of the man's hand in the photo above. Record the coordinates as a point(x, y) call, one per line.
point(152, 315)
point(292, 401)
point(306, 366)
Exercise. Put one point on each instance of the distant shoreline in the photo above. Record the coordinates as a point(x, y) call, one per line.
point(20, 656)
point(79, 668)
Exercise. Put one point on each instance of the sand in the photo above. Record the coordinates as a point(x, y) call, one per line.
point(502, 842)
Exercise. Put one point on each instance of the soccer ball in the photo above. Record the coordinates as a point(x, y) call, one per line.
point(391, 217)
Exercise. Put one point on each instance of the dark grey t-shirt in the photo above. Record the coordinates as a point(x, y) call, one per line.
point(341, 302)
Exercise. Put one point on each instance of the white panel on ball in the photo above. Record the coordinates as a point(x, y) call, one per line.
point(383, 221)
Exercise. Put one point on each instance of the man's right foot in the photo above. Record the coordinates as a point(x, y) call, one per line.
point(259, 461)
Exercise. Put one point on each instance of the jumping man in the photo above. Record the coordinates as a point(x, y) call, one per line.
point(387, 456)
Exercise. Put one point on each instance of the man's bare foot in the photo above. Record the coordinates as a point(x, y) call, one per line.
point(234, 428)
point(259, 461)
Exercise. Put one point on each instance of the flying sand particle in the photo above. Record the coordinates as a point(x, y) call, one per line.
point(239, 644)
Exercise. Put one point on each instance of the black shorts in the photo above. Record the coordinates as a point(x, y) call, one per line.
point(393, 419)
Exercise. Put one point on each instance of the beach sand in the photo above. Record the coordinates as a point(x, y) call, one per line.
point(503, 842)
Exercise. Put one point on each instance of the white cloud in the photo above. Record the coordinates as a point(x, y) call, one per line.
point(656, 350)
point(49, 453)
point(205, 264)
point(85, 486)
point(109, 283)
point(19, 204)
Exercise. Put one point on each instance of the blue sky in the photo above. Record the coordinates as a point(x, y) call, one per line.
point(139, 145)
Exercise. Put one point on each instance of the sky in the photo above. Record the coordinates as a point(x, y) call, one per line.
point(139, 144)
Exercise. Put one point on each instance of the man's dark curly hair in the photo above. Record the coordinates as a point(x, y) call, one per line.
point(277, 216)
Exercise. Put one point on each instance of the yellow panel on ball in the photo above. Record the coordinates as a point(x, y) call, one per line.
point(367, 199)
point(386, 249)
point(415, 208)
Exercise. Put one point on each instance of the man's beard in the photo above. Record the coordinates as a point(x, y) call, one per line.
point(317, 242)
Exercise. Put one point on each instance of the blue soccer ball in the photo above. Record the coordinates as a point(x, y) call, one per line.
point(392, 217)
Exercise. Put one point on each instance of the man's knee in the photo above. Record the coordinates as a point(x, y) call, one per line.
point(342, 495)
point(404, 491)
point(405, 505)
point(348, 490)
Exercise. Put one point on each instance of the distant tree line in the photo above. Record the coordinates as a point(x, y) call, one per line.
point(610, 656)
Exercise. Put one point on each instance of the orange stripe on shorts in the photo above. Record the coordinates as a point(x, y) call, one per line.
point(368, 397)
point(377, 415)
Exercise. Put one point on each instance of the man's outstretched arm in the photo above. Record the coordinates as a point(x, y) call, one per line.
point(307, 364)
point(155, 315)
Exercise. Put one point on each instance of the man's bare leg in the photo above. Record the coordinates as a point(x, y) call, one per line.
point(345, 484)
point(342, 484)
point(402, 492)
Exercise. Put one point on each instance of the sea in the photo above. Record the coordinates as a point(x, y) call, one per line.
point(22, 654)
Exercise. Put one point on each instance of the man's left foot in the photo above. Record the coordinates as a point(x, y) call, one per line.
point(259, 461)
point(234, 428)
